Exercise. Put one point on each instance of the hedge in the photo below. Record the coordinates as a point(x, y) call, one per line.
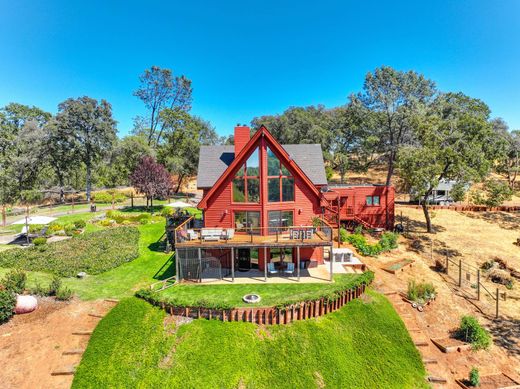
point(93, 253)
point(387, 242)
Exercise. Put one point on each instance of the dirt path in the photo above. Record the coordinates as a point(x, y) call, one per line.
point(439, 319)
point(32, 345)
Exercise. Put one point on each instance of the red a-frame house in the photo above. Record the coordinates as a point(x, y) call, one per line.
point(268, 207)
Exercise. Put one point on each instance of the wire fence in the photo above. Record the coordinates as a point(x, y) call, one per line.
point(469, 278)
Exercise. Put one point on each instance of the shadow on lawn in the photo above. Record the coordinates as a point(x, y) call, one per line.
point(418, 226)
point(167, 270)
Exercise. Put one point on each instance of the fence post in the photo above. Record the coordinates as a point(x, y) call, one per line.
point(460, 272)
point(132, 200)
point(497, 296)
point(478, 284)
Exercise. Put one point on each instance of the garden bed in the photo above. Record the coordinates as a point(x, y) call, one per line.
point(264, 315)
point(396, 266)
point(93, 253)
point(492, 381)
point(450, 345)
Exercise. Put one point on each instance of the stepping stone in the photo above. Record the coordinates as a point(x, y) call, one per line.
point(438, 380)
point(82, 333)
point(430, 361)
point(421, 343)
point(68, 370)
point(77, 351)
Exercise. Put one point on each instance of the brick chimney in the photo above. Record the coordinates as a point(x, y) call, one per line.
point(242, 136)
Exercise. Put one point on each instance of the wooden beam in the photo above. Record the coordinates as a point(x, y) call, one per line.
point(265, 264)
point(298, 262)
point(232, 264)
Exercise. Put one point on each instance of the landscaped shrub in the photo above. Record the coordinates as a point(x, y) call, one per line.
point(64, 294)
point(472, 332)
point(69, 229)
point(54, 227)
point(121, 217)
point(7, 305)
point(388, 241)
point(35, 228)
point(80, 223)
point(106, 197)
point(93, 253)
point(39, 241)
point(15, 281)
point(54, 286)
point(39, 290)
point(420, 292)
point(474, 377)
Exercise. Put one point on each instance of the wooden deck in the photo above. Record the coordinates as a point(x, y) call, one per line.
point(246, 240)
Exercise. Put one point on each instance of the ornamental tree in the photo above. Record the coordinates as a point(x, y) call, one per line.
point(152, 179)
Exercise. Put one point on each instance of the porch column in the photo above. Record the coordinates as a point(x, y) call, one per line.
point(232, 264)
point(177, 266)
point(331, 259)
point(200, 264)
point(265, 264)
point(298, 262)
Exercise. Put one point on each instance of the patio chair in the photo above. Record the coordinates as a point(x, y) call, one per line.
point(192, 235)
point(271, 269)
point(289, 269)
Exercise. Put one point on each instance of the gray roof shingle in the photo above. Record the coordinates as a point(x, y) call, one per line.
point(214, 160)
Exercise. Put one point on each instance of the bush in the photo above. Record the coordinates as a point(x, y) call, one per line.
point(80, 224)
point(343, 234)
point(472, 332)
point(420, 292)
point(39, 290)
point(69, 229)
point(64, 294)
point(54, 228)
point(120, 217)
point(474, 377)
point(91, 252)
point(7, 305)
point(388, 241)
point(39, 241)
point(106, 197)
point(495, 194)
point(54, 286)
point(14, 281)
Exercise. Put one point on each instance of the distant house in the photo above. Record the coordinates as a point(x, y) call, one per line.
point(441, 195)
point(265, 203)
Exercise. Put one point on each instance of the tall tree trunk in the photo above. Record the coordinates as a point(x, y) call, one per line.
point(427, 217)
point(89, 178)
point(4, 216)
point(390, 171)
point(179, 184)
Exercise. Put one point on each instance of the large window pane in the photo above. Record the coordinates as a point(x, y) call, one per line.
point(246, 221)
point(287, 219)
point(273, 189)
point(279, 220)
point(253, 164)
point(239, 195)
point(285, 171)
point(253, 190)
point(240, 220)
point(273, 164)
point(288, 189)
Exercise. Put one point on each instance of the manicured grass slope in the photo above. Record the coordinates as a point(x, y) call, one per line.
point(363, 345)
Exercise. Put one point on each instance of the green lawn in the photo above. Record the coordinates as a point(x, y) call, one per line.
point(272, 294)
point(363, 345)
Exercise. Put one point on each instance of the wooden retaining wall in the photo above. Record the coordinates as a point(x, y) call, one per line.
point(471, 208)
point(269, 315)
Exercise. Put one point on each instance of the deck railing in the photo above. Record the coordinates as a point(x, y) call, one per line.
point(271, 234)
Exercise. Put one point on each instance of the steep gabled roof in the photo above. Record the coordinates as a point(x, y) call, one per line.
point(240, 158)
point(214, 160)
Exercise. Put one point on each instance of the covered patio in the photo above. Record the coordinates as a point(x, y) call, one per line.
point(251, 263)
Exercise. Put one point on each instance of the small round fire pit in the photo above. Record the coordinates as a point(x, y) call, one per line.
point(251, 298)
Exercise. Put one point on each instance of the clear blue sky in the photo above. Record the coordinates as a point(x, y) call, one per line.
point(250, 58)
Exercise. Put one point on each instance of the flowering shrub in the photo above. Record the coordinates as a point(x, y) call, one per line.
point(94, 253)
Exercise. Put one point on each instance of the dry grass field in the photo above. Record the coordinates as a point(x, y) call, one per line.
point(474, 238)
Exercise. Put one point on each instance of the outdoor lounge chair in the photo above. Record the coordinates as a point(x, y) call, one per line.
point(271, 269)
point(289, 270)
